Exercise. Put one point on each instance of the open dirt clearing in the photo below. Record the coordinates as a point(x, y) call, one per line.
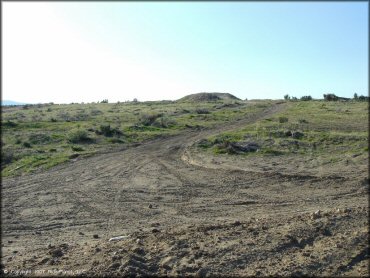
point(186, 214)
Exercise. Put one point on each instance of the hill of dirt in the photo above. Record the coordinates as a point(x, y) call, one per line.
point(208, 97)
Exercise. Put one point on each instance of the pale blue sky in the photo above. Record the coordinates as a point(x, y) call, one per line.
point(89, 51)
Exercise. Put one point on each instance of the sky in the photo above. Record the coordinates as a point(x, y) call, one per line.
point(65, 52)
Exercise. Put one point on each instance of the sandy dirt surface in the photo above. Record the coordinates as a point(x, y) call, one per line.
point(184, 213)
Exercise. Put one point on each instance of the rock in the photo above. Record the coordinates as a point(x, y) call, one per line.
point(316, 214)
point(56, 253)
point(114, 266)
point(44, 261)
point(97, 249)
point(202, 272)
point(95, 236)
point(237, 223)
point(167, 262)
point(81, 233)
point(118, 238)
point(139, 251)
point(306, 254)
point(243, 147)
point(116, 258)
point(10, 241)
point(155, 231)
point(64, 245)
point(150, 206)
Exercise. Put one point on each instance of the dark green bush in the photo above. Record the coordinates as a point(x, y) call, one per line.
point(107, 131)
point(78, 136)
point(305, 98)
point(10, 124)
point(27, 145)
point(148, 119)
point(330, 97)
point(202, 111)
point(163, 122)
point(283, 120)
point(77, 149)
point(39, 138)
point(7, 157)
point(363, 98)
point(204, 143)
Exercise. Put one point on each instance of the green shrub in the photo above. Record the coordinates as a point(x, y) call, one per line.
point(148, 119)
point(363, 98)
point(107, 131)
point(39, 138)
point(27, 145)
point(163, 122)
point(283, 120)
point(202, 111)
point(7, 157)
point(78, 136)
point(77, 149)
point(10, 124)
point(306, 98)
point(204, 143)
point(330, 97)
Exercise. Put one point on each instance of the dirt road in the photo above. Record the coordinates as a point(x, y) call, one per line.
point(184, 216)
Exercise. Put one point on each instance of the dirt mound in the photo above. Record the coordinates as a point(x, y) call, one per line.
point(208, 97)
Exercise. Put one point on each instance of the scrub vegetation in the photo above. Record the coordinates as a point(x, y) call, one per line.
point(44, 135)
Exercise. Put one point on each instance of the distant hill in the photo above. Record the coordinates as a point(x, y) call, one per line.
point(11, 102)
point(208, 97)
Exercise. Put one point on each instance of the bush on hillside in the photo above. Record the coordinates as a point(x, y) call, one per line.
point(78, 136)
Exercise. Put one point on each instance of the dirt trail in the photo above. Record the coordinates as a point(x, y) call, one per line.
point(184, 216)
